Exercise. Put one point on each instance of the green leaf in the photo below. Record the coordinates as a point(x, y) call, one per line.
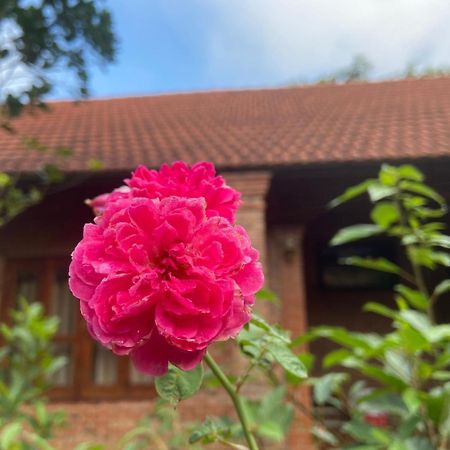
point(380, 264)
point(417, 320)
point(377, 192)
point(10, 435)
point(325, 386)
point(380, 309)
point(414, 297)
point(336, 357)
point(421, 189)
point(355, 232)
point(5, 179)
point(324, 435)
point(90, 446)
point(419, 443)
point(359, 430)
point(412, 399)
point(272, 330)
point(441, 258)
point(441, 288)
point(351, 193)
point(178, 384)
point(210, 430)
point(341, 336)
point(272, 415)
point(441, 241)
point(287, 359)
point(267, 295)
point(385, 214)
point(53, 174)
point(410, 172)
point(388, 175)
point(399, 365)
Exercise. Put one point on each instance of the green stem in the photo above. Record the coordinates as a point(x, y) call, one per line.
point(417, 270)
point(237, 401)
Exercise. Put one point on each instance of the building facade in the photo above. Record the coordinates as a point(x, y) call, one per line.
point(288, 151)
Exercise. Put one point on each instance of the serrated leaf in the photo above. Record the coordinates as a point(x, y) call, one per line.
point(288, 360)
point(210, 430)
point(399, 365)
point(178, 384)
point(272, 330)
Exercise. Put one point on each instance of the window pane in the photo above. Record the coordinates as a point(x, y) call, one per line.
point(105, 366)
point(64, 376)
point(137, 377)
point(63, 304)
point(27, 285)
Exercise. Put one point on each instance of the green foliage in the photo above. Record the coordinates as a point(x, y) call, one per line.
point(38, 39)
point(26, 365)
point(161, 430)
point(269, 352)
point(178, 384)
point(35, 41)
point(271, 416)
point(407, 369)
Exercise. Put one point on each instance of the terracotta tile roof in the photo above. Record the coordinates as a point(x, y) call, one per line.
point(299, 125)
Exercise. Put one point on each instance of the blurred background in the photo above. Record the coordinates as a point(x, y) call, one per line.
point(293, 101)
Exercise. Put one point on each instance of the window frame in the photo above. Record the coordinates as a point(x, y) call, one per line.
point(82, 344)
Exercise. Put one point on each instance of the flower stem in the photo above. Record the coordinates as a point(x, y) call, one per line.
point(237, 401)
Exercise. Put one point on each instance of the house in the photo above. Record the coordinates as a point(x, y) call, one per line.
point(289, 151)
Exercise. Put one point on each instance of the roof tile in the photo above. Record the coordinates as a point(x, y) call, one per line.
point(299, 125)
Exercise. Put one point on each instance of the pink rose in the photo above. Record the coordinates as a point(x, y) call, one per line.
point(161, 278)
point(198, 181)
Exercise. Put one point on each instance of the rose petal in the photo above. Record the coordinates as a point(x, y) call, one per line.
point(153, 357)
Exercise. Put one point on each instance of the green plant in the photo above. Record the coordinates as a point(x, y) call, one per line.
point(26, 364)
point(267, 418)
point(406, 371)
point(161, 430)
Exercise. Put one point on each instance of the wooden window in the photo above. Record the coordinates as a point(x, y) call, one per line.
point(92, 372)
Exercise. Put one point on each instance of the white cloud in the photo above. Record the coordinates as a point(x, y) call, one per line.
point(274, 41)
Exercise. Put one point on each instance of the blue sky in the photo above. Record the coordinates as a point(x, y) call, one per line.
point(186, 45)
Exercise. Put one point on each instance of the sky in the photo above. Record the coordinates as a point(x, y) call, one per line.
point(191, 45)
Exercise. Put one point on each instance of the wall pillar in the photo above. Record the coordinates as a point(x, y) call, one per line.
point(252, 213)
point(288, 281)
